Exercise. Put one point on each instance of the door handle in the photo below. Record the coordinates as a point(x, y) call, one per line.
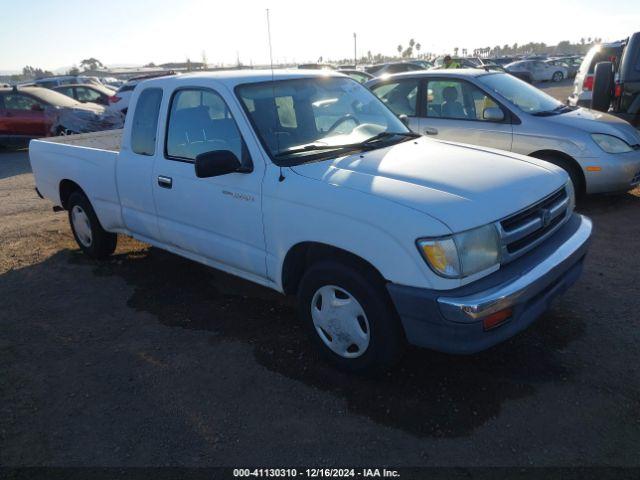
point(430, 131)
point(165, 182)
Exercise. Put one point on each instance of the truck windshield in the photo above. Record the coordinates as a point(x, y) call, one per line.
point(305, 118)
point(524, 96)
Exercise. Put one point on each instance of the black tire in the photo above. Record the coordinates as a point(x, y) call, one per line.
point(386, 336)
point(102, 243)
point(557, 76)
point(572, 169)
point(603, 81)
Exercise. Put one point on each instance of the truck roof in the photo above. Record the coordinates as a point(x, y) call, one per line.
point(237, 77)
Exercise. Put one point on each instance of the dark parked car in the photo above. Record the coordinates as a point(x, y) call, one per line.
point(391, 68)
point(357, 75)
point(616, 85)
point(34, 112)
point(87, 93)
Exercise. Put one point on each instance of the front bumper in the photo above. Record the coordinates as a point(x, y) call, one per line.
point(451, 321)
point(618, 172)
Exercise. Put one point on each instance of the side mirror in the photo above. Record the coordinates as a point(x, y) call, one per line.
point(216, 163)
point(493, 114)
point(404, 119)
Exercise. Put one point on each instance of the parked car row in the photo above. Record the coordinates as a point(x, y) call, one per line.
point(34, 112)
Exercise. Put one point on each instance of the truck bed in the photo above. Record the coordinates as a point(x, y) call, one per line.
point(107, 140)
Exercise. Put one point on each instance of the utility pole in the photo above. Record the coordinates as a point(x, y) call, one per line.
point(355, 50)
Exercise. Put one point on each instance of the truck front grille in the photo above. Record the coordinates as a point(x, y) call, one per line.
point(524, 230)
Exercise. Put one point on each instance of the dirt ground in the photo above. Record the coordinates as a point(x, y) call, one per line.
point(150, 359)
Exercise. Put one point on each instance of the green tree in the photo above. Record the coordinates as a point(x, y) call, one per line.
point(91, 64)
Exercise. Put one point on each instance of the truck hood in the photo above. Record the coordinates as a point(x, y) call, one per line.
point(592, 121)
point(460, 185)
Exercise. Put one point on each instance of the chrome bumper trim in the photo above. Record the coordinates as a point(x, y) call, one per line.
point(474, 307)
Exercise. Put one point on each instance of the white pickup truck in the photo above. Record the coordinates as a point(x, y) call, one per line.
point(306, 183)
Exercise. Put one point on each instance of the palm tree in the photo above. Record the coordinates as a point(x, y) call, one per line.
point(400, 49)
point(455, 51)
point(418, 47)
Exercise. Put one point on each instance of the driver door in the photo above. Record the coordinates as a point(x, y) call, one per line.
point(218, 218)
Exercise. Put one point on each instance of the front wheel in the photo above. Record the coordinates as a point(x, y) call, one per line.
point(557, 76)
point(92, 239)
point(350, 317)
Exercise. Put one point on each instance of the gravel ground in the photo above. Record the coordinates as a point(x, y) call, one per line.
point(150, 359)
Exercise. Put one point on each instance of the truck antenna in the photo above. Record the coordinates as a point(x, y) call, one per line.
point(273, 90)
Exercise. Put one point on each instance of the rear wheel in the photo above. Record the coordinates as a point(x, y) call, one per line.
point(92, 239)
point(350, 317)
point(557, 76)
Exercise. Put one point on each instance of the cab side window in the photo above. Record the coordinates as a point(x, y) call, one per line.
point(456, 99)
point(145, 122)
point(401, 96)
point(200, 122)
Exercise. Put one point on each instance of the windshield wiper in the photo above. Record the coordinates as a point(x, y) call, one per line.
point(559, 109)
point(313, 147)
point(383, 135)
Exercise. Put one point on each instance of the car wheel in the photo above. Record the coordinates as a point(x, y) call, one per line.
point(557, 76)
point(350, 317)
point(92, 239)
point(573, 170)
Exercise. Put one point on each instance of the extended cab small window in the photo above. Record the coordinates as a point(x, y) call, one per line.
point(145, 122)
point(200, 122)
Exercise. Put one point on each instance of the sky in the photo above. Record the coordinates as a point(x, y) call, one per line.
point(52, 34)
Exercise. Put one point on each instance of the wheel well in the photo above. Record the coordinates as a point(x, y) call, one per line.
point(303, 255)
point(563, 160)
point(67, 187)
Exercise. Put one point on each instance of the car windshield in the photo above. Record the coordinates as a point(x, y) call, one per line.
point(524, 96)
point(306, 118)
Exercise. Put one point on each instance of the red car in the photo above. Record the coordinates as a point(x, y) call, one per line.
point(34, 112)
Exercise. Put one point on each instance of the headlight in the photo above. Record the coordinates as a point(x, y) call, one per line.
point(462, 254)
point(611, 144)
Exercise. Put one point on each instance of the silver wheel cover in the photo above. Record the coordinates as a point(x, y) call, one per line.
point(81, 225)
point(340, 321)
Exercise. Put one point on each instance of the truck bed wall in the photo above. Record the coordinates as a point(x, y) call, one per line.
point(91, 168)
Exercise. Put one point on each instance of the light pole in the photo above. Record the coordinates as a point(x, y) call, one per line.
point(355, 50)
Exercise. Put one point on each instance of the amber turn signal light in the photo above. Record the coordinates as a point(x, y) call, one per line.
point(496, 319)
